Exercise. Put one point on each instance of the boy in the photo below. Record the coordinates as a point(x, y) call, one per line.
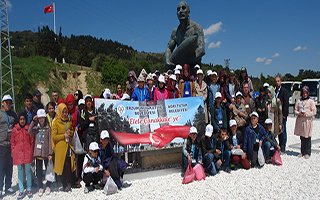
point(270, 145)
point(208, 147)
point(223, 150)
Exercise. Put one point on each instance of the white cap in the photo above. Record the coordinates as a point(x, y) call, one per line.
point(153, 75)
point(149, 77)
point(176, 71)
point(209, 130)
point(81, 101)
point(238, 94)
point(7, 97)
point(141, 79)
point(161, 79)
point(254, 114)
point(215, 73)
point(107, 93)
point(173, 77)
point(209, 72)
point(199, 71)
point(125, 96)
point(93, 146)
point(197, 66)
point(268, 121)
point(218, 94)
point(41, 113)
point(266, 85)
point(232, 122)
point(178, 67)
point(193, 130)
point(104, 134)
point(88, 96)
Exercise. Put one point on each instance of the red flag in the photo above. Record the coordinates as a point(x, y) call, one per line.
point(48, 9)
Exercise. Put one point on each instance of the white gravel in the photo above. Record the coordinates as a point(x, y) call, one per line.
point(298, 178)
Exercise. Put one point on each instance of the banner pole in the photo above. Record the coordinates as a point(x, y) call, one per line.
point(54, 18)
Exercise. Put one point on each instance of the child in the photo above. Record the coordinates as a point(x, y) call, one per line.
point(42, 148)
point(50, 109)
point(208, 149)
point(22, 153)
point(223, 151)
point(270, 144)
point(92, 168)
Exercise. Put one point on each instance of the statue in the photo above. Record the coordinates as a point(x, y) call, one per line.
point(189, 39)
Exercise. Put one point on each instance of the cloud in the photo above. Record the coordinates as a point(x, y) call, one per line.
point(300, 48)
point(213, 28)
point(275, 55)
point(260, 59)
point(214, 45)
point(268, 61)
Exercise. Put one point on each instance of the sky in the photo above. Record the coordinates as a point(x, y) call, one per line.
point(265, 36)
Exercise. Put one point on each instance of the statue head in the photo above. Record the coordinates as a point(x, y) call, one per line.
point(183, 10)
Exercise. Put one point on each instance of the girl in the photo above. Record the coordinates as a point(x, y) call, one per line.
point(22, 153)
point(64, 159)
point(305, 111)
point(50, 110)
point(161, 93)
point(42, 148)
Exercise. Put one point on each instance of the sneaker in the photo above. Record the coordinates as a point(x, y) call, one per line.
point(29, 194)
point(300, 155)
point(48, 190)
point(20, 195)
point(86, 190)
point(126, 184)
point(40, 192)
point(306, 156)
point(9, 191)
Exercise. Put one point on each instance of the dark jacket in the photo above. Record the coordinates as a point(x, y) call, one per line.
point(106, 155)
point(239, 137)
point(208, 144)
point(5, 128)
point(262, 104)
point(214, 120)
point(29, 114)
point(196, 152)
point(272, 139)
point(222, 145)
point(89, 128)
point(250, 136)
point(283, 95)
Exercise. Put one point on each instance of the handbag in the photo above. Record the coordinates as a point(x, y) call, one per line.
point(261, 159)
point(189, 175)
point(199, 172)
point(110, 187)
point(78, 149)
point(50, 176)
point(276, 158)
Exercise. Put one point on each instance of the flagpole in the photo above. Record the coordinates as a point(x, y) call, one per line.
point(54, 18)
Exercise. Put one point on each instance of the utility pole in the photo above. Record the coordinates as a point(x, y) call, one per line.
point(7, 86)
point(227, 63)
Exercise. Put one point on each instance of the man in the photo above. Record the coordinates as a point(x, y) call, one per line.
point(189, 39)
point(28, 109)
point(283, 94)
point(141, 93)
point(55, 97)
point(7, 121)
point(248, 100)
point(208, 150)
point(36, 104)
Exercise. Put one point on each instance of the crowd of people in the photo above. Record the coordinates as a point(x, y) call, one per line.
point(238, 125)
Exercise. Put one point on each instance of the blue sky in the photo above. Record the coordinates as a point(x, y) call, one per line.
point(268, 36)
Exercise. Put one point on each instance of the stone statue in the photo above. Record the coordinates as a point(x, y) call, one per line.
point(186, 44)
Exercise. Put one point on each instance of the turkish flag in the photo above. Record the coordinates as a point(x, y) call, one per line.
point(48, 9)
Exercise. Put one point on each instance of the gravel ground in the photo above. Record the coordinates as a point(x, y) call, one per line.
point(298, 178)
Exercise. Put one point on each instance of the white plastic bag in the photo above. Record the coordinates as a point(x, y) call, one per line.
point(261, 159)
point(237, 152)
point(110, 187)
point(50, 176)
point(78, 149)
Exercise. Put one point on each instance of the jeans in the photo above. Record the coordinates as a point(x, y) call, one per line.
point(305, 146)
point(283, 135)
point(209, 164)
point(27, 172)
point(226, 159)
point(266, 150)
point(93, 178)
point(5, 167)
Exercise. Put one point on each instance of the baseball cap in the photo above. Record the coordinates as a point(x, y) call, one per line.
point(161, 79)
point(214, 73)
point(209, 72)
point(87, 96)
point(173, 77)
point(41, 113)
point(232, 122)
point(176, 71)
point(266, 85)
point(199, 71)
point(197, 66)
point(218, 94)
point(104, 134)
point(209, 130)
point(238, 94)
point(254, 114)
point(7, 97)
point(268, 121)
point(93, 146)
point(193, 130)
point(81, 101)
point(178, 67)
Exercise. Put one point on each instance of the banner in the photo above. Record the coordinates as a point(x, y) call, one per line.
point(155, 123)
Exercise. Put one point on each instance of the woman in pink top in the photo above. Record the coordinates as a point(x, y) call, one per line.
point(161, 93)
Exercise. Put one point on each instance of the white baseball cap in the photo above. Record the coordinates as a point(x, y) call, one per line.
point(87, 96)
point(173, 77)
point(254, 114)
point(232, 122)
point(197, 66)
point(238, 94)
point(268, 121)
point(215, 73)
point(199, 71)
point(193, 130)
point(81, 101)
point(104, 134)
point(93, 146)
point(218, 94)
point(266, 85)
point(41, 113)
point(178, 67)
point(7, 97)
point(176, 71)
point(209, 72)
point(161, 79)
point(209, 130)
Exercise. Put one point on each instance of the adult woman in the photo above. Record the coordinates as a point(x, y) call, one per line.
point(186, 84)
point(77, 96)
point(218, 114)
point(274, 111)
point(173, 91)
point(202, 91)
point(244, 78)
point(305, 111)
point(62, 132)
point(239, 112)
